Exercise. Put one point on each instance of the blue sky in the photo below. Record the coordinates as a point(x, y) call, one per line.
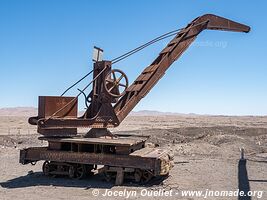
point(47, 45)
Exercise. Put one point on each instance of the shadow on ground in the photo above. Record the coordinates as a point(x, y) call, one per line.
point(96, 181)
point(38, 179)
point(243, 182)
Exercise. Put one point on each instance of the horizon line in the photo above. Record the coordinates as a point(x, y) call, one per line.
point(156, 111)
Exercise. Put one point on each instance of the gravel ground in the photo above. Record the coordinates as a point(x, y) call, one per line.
point(206, 150)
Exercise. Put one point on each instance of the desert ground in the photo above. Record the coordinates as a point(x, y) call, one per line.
point(206, 157)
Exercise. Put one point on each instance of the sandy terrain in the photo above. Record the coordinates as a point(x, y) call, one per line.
point(206, 150)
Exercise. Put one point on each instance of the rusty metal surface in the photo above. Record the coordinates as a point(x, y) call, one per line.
point(132, 161)
point(59, 107)
point(150, 152)
point(48, 105)
point(99, 114)
point(121, 141)
point(59, 132)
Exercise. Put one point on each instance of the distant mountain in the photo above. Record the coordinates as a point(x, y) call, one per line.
point(155, 113)
point(18, 111)
point(31, 111)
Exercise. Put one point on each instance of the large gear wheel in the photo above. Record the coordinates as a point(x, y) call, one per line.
point(116, 83)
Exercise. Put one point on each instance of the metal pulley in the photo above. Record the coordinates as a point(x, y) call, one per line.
point(115, 83)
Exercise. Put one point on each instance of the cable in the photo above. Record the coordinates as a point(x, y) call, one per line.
point(142, 48)
point(81, 91)
point(133, 51)
point(76, 83)
point(85, 98)
point(129, 53)
point(119, 58)
point(161, 37)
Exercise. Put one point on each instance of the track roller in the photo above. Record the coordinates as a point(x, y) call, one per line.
point(78, 171)
point(119, 174)
point(46, 168)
